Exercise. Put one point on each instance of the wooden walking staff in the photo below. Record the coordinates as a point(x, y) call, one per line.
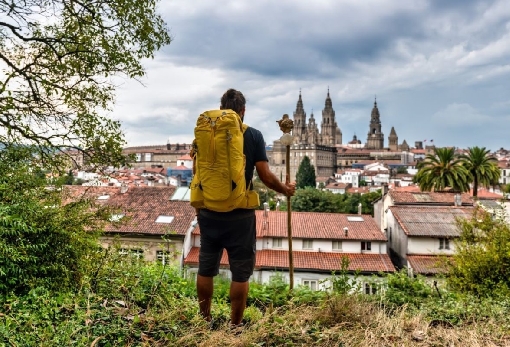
point(286, 125)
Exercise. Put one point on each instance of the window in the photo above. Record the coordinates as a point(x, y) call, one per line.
point(311, 284)
point(370, 288)
point(337, 246)
point(277, 243)
point(137, 253)
point(366, 246)
point(307, 244)
point(163, 257)
point(138, 157)
point(283, 161)
point(444, 243)
point(390, 234)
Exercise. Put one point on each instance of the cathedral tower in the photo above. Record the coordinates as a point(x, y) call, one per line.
point(299, 130)
point(393, 140)
point(328, 125)
point(375, 138)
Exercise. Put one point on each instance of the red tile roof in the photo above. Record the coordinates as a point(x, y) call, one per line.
point(338, 185)
point(430, 221)
point(359, 190)
point(410, 188)
point(485, 194)
point(427, 198)
point(427, 264)
point(316, 225)
point(142, 206)
point(310, 261)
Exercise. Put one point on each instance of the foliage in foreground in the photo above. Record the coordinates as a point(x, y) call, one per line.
point(42, 242)
point(136, 304)
point(481, 264)
point(60, 60)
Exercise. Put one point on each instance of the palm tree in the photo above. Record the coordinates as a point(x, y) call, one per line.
point(482, 167)
point(442, 170)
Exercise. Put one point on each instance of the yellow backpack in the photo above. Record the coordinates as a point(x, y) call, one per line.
point(219, 182)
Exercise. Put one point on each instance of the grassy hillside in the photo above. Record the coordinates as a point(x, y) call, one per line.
point(135, 304)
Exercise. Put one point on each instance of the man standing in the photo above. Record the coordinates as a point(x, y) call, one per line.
point(234, 231)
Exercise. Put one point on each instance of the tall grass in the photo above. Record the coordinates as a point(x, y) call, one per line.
point(125, 302)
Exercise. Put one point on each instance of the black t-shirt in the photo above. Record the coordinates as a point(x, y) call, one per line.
point(254, 149)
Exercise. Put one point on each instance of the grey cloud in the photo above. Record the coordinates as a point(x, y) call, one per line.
point(417, 56)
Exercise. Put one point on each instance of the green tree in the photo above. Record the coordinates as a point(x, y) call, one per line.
point(60, 62)
point(265, 194)
point(69, 178)
point(314, 200)
point(481, 263)
point(305, 176)
point(43, 242)
point(402, 170)
point(482, 166)
point(442, 170)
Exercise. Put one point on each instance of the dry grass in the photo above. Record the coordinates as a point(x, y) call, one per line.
point(347, 321)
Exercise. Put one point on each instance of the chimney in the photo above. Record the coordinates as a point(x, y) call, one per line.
point(457, 200)
point(266, 211)
point(123, 188)
point(346, 231)
point(359, 208)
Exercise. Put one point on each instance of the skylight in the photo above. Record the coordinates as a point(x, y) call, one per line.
point(164, 219)
point(355, 219)
point(181, 194)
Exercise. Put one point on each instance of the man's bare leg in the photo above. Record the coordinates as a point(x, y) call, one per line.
point(238, 296)
point(205, 292)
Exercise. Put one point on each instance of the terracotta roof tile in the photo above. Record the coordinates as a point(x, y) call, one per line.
point(310, 261)
point(427, 198)
point(485, 194)
point(430, 221)
point(410, 188)
point(143, 205)
point(316, 225)
point(426, 264)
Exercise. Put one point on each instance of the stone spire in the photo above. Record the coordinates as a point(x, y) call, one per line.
point(313, 131)
point(393, 140)
point(375, 138)
point(299, 130)
point(328, 125)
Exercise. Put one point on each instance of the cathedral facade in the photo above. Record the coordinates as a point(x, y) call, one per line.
point(325, 149)
point(319, 146)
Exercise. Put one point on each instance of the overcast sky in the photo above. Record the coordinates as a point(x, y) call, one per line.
point(440, 69)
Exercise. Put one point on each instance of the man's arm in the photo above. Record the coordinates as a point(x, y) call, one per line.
point(271, 181)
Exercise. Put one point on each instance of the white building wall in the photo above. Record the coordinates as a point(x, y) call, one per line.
point(323, 279)
point(427, 245)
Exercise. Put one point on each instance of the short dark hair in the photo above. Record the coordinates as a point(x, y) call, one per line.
point(234, 100)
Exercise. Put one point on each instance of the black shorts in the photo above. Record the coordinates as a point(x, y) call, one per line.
point(234, 231)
